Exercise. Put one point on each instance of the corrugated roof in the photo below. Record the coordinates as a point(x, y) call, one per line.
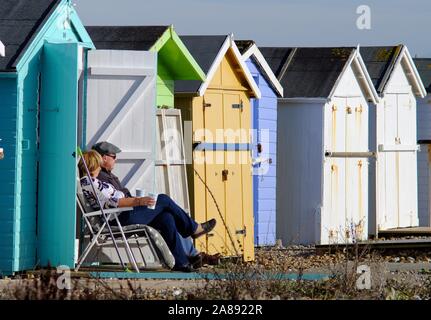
point(20, 21)
point(378, 61)
point(205, 50)
point(424, 68)
point(310, 72)
point(125, 37)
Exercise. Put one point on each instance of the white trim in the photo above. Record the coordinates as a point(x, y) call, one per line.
point(416, 77)
point(230, 44)
point(414, 74)
point(123, 71)
point(365, 75)
point(355, 56)
point(254, 50)
point(303, 100)
point(214, 67)
point(2, 50)
point(340, 76)
point(398, 147)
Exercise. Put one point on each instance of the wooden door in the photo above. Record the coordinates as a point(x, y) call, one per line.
point(121, 99)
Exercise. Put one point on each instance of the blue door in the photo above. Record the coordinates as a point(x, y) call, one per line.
point(57, 163)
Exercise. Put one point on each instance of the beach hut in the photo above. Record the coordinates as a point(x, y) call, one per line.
point(220, 177)
point(393, 195)
point(161, 145)
point(322, 145)
point(423, 66)
point(264, 149)
point(45, 45)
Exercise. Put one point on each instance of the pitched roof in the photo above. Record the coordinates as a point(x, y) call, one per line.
point(20, 21)
point(249, 50)
point(424, 68)
point(125, 37)
point(307, 72)
point(205, 50)
point(379, 61)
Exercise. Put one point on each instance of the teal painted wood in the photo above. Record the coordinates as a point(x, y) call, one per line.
point(57, 185)
point(8, 128)
point(18, 104)
point(264, 121)
point(208, 276)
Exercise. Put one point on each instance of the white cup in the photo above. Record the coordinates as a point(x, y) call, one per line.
point(154, 196)
point(140, 192)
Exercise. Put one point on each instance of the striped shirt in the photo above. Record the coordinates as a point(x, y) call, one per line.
point(107, 194)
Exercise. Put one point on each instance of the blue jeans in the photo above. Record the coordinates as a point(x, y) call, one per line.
point(188, 247)
point(170, 219)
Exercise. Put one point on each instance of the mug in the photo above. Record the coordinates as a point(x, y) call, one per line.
point(140, 192)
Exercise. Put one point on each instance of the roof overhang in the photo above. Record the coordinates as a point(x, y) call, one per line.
point(406, 61)
point(356, 60)
point(260, 59)
point(229, 43)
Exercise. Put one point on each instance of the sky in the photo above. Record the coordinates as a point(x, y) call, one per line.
point(276, 22)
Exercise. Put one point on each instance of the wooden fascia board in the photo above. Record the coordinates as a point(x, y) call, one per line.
point(254, 51)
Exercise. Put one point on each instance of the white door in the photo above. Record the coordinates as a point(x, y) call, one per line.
point(346, 178)
point(407, 162)
point(121, 99)
point(400, 166)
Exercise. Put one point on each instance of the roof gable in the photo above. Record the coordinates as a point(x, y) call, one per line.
point(382, 61)
point(209, 52)
point(20, 22)
point(249, 50)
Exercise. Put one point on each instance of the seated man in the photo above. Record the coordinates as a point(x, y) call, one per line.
point(109, 151)
point(167, 216)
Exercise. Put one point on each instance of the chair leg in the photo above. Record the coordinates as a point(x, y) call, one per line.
point(140, 250)
point(128, 250)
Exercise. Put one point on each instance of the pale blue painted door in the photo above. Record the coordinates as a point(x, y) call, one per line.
point(58, 137)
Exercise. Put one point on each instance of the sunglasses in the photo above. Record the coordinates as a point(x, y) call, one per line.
point(113, 156)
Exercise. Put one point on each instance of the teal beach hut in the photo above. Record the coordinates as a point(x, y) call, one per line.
point(44, 52)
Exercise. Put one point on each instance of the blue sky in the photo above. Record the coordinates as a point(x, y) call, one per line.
point(276, 22)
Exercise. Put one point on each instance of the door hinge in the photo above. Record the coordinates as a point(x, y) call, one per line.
point(238, 106)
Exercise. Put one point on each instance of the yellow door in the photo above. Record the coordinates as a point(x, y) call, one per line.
point(233, 176)
point(214, 166)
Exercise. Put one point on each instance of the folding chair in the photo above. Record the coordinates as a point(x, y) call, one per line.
point(100, 233)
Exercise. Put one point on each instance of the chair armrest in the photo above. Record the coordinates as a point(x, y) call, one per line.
point(108, 211)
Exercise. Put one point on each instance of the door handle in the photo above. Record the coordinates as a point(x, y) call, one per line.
point(225, 174)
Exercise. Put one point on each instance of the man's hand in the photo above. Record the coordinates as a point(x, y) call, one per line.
point(146, 201)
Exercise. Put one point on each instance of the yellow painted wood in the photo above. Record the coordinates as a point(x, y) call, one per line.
point(234, 195)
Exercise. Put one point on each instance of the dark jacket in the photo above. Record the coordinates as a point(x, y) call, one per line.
point(111, 178)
